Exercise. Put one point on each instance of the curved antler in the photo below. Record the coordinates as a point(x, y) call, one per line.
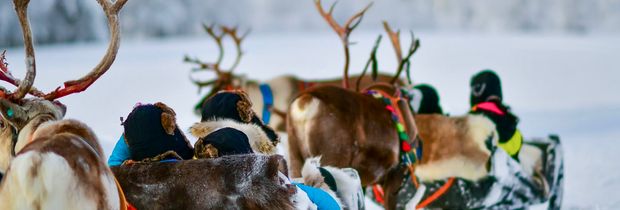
point(23, 87)
point(402, 61)
point(343, 31)
point(74, 86)
point(5, 75)
point(232, 32)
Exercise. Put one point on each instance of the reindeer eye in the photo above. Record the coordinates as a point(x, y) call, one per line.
point(2, 124)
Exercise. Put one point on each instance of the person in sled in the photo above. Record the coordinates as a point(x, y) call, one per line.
point(151, 134)
point(233, 109)
point(425, 100)
point(486, 99)
point(230, 127)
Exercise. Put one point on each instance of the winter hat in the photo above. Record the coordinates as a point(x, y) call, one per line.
point(234, 105)
point(425, 100)
point(151, 130)
point(485, 86)
point(222, 142)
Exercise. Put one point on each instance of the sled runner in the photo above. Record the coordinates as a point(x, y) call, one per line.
point(536, 180)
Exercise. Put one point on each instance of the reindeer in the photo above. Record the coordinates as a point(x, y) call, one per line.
point(354, 129)
point(52, 163)
point(272, 97)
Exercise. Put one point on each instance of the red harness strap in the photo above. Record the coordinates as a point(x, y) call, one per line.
point(442, 190)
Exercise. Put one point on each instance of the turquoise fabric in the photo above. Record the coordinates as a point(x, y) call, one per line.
point(120, 153)
point(320, 198)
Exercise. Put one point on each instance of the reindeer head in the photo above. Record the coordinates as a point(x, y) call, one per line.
point(20, 116)
point(225, 79)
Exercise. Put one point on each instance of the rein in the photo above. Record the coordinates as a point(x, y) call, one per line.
point(409, 156)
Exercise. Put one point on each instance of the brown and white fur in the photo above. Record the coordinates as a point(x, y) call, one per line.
point(349, 193)
point(349, 129)
point(17, 131)
point(284, 89)
point(62, 168)
point(257, 138)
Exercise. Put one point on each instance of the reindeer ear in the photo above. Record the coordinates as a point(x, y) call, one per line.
point(13, 113)
point(244, 107)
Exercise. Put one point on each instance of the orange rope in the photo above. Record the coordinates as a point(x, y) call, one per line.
point(437, 194)
point(412, 172)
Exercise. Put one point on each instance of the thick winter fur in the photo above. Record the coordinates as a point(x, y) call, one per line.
point(285, 88)
point(454, 147)
point(62, 168)
point(16, 130)
point(348, 183)
point(349, 129)
point(259, 141)
point(344, 127)
point(312, 177)
point(228, 182)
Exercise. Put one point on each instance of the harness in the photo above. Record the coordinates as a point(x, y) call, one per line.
point(303, 85)
point(513, 145)
point(409, 155)
point(265, 90)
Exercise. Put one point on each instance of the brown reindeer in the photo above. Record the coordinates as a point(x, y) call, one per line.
point(353, 129)
point(52, 163)
point(283, 89)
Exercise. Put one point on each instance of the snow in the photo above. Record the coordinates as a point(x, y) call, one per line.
point(556, 84)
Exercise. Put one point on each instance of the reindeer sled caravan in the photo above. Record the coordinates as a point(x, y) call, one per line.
point(340, 139)
point(412, 161)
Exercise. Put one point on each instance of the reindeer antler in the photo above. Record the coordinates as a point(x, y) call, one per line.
point(402, 61)
point(5, 75)
point(343, 32)
point(23, 87)
point(75, 86)
point(232, 32)
point(216, 66)
point(210, 29)
point(372, 60)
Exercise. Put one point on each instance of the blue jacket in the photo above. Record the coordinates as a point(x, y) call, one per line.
point(120, 153)
point(320, 198)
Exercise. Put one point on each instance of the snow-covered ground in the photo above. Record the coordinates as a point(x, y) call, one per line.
point(557, 84)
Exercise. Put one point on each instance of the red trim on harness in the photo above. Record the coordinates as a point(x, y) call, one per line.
point(488, 106)
point(442, 190)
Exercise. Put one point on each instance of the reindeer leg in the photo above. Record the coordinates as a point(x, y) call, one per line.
point(296, 160)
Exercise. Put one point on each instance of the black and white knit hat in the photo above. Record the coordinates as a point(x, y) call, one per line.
point(151, 130)
point(485, 86)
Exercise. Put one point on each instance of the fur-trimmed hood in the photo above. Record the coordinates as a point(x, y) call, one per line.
point(259, 141)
